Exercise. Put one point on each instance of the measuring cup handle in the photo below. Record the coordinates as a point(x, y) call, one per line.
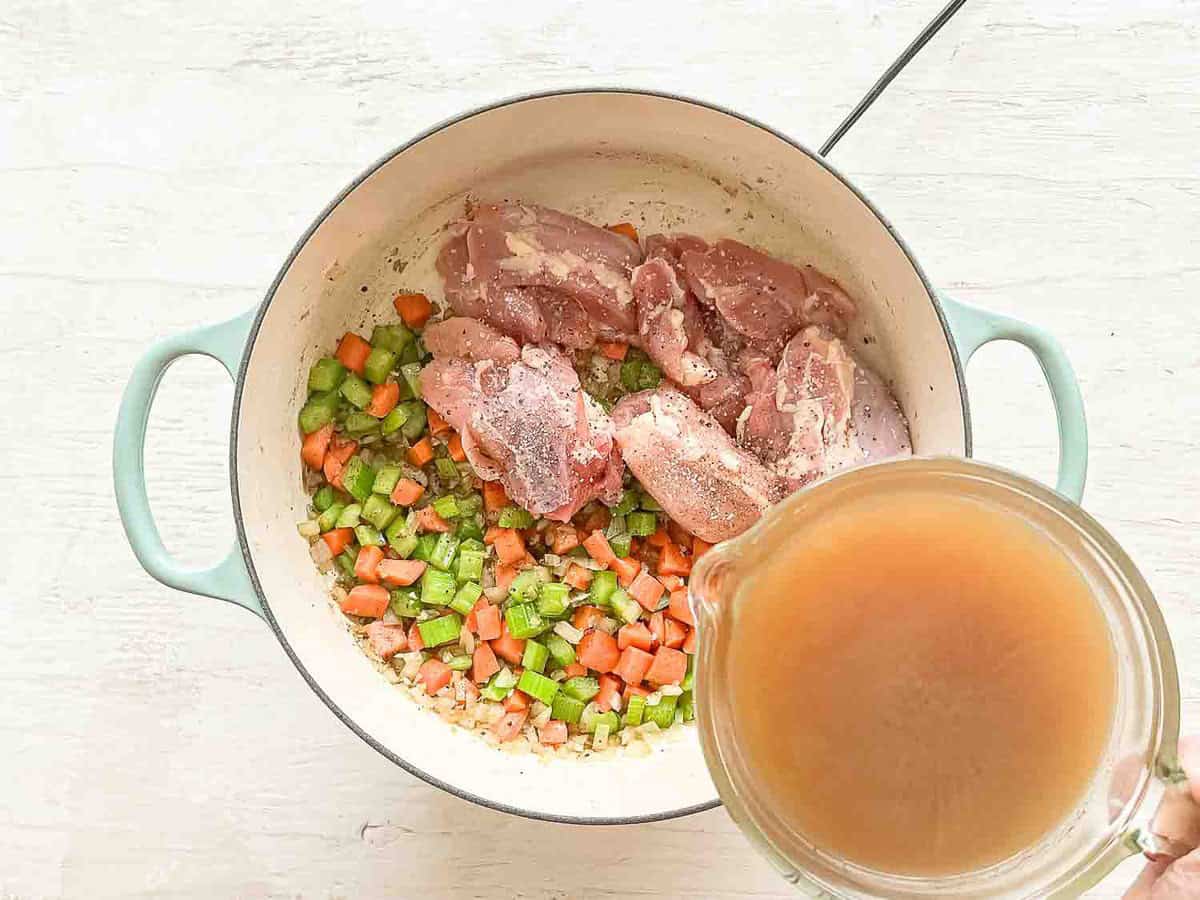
point(1172, 828)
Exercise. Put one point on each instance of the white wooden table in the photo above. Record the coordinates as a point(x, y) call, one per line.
point(156, 163)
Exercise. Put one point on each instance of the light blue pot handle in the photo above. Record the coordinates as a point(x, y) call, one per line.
point(973, 327)
point(228, 580)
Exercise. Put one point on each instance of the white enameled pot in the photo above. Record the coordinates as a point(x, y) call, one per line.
point(664, 163)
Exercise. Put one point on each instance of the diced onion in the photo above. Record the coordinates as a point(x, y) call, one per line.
point(568, 632)
point(654, 699)
point(320, 553)
point(607, 625)
point(466, 640)
point(390, 618)
point(552, 560)
point(670, 690)
point(309, 528)
point(339, 595)
point(600, 738)
point(495, 594)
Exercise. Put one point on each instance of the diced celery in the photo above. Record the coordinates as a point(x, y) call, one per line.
point(627, 504)
point(535, 657)
point(687, 706)
point(446, 470)
point(553, 600)
point(538, 686)
point(441, 630)
point(523, 620)
point(406, 602)
point(379, 363)
point(437, 588)
point(566, 709)
point(474, 544)
point(379, 511)
point(444, 551)
point(414, 425)
point(323, 499)
point(318, 411)
point(642, 523)
point(500, 686)
point(470, 504)
point(360, 423)
point(601, 589)
point(648, 377)
point(329, 518)
point(346, 560)
point(626, 608)
point(393, 421)
point(515, 517)
point(648, 502)
point(662, 713)
point(592, 718)
point(525, 587)
point(635, 709)
point(470, 564)
point(447, 507)
point(410, 354)
point(621, 544)
point(466, 597)
point(689, 678)
point(412, 375)
point(386, 479)
point(581, 687)
point(357, 391)
point(561, 653)
point(425, 545)
point(459, 663)
point(616, 526)
point(630, 370)
point(391, 337)
point(350, 516)
point(326, 374)
point(399, 538)
point(358, 478)
point(469, 529)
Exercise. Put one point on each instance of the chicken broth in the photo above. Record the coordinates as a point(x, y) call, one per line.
point(942, 688)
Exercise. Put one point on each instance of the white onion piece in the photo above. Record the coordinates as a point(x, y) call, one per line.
point(309, 528)
point(320, 553)
point(670, 690)
point(568, 632)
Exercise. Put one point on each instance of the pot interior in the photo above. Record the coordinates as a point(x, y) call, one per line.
point(664, 164)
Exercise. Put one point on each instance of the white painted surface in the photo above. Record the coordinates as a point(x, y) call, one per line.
point(156, 164)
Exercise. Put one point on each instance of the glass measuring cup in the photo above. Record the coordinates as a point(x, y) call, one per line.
point(1137, 798)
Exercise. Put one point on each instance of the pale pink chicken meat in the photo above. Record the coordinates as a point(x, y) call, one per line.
point(819, 412)
point(524, 421)
point(690, 465)
point(516, 311)
point(665, 311)
point(469, 338)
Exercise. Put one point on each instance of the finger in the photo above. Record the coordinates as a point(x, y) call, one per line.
point(1180, 881)
point(1189, 758)
point(1140, 889)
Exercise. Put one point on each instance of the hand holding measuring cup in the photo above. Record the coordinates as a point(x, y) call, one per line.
point(1178, 879)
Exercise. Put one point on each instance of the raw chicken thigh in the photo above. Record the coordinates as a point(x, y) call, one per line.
point(524, 420)
point(690, 465)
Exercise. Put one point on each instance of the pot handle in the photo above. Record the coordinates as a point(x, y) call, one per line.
point(228, 580)
point(973, 327)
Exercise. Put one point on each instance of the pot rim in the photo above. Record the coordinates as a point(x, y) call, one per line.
point(300, 244)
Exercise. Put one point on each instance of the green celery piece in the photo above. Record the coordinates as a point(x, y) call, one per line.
point(386, 479)
point(410, 354)
point(368, 536)
point(553, 601)
point(635, 710)
point(360, 423)
point(441, 630)
point(525, 587)
point(662, 713)
point(425, 545)
point(627, 504)
point(566, 709)
point(399, 538)
point(561, 652)
point(346, 560)
point(329, 518)
point(500, 686)
point(470, 564)
point(447, 507)
point(446, 470)
point(515, 517)
point(469, 529)
point(627, 609)
point(592, 718)
point(323, 498)
point(538, 686)
point(459, 663)
point(581, 687)
point(642, 523)
point(689, 679)
point(687, 706)
point(325, 375)
point(466, 597)
point(621, 544)
point(648, 377)
point(406, 602)
point(603, 585)
point(318, 411)
point(535, 657)
point(630, 370)
point(349, 516)
point(523, 620)
point(437, 588)
point(474, 544)
point(357, 391)
point(470, 504)
point(379, 511)
point(394, 421)
point(379, 364)
point(391, 337)
point(414, 425)
point(412, 375)
point(444, 551)
point(650, 503)
point(358, 478)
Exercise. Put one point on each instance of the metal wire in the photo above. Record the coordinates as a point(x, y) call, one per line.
point(892, 71)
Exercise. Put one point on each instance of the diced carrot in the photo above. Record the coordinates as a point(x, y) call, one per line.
point(510, 546)
point(672, 561)
point(563, 538)
point(495, 498)
point(437, 425)
point(366, 564)
point(689, 645)
point(386, 640)
point(516, 701)
point(660, 538)
point(626, 228)
point(577, 577)
point(677, 633)
point(312, 451)
point(613, 349)
point(669, 667)
point(633, 665)
point(506, 573)
point(598, 651)
point(510, 725)
point(610, 690)
point(338, 539)
point(489, 536)
point(384, 398)
point(369, 600)
point(679, 534)
point(472, 618)
point(400, 572)
point(626, 568)
point(527, 561)
point(434, 674)
point(646, 590)
point(635, 634)
point(407, 492)
point(586, 617)
point(507, 647)
point(671, 582)
point(429, 520)
point(483, 662)
point(415, 642)
point(658, 627)
point(573, 670)
point(414, 309)
point(598, 548)
point(454, 445)
point(352, 352)
point(488, 621)
point(679, 608)
point(700, 547)
point(421, 452)
point(336, 457)
point(553, 733)
point(598, 519)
